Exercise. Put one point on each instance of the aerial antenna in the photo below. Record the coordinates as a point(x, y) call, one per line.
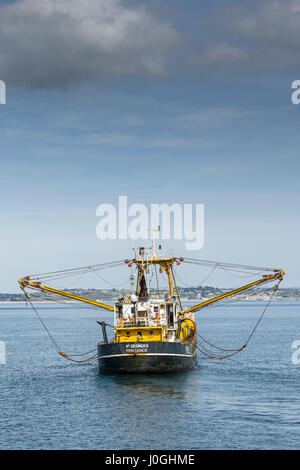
point(154, 229)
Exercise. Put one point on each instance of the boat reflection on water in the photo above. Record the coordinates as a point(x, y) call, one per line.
point(176, 385)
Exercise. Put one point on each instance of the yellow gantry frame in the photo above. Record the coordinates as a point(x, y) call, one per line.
point(37, 285)
point(278, 275)
point(164, 263)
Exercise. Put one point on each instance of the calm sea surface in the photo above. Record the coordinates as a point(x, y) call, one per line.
point(251, 401)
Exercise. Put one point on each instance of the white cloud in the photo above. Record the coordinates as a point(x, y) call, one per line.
point(48, 43)
point(262, 35)
point(218, 55)
point(268, 34)
point(210, 117)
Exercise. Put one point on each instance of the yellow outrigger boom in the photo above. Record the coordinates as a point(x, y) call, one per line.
point(37, 285)
point(266, 278)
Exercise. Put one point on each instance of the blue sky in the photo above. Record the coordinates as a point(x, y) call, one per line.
point(214, 127)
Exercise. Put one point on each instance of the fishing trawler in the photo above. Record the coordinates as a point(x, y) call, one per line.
point(150, 333)
point(153, 332)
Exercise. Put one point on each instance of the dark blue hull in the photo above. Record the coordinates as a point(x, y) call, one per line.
point(146, 357)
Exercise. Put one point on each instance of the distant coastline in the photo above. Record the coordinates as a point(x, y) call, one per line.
point(193, 294)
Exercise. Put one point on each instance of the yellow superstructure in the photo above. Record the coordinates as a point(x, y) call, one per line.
point(133, 334)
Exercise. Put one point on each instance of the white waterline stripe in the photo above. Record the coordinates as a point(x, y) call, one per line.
point(148, 354)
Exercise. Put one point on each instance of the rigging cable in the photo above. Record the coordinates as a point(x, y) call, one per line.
point(199, 282)
point(227, 265)
point(107, 282)
point(75, 271)
point(232, 352)
point(87, 360)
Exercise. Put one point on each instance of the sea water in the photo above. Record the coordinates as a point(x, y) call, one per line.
point(250, 401)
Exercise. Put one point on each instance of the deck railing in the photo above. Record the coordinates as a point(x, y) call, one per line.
point(139, 323)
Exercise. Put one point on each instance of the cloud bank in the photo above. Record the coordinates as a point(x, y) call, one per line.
point(257, 36)
point(53, 43)
point(49, 44)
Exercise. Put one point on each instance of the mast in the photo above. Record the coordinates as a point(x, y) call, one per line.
point(153, 230)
